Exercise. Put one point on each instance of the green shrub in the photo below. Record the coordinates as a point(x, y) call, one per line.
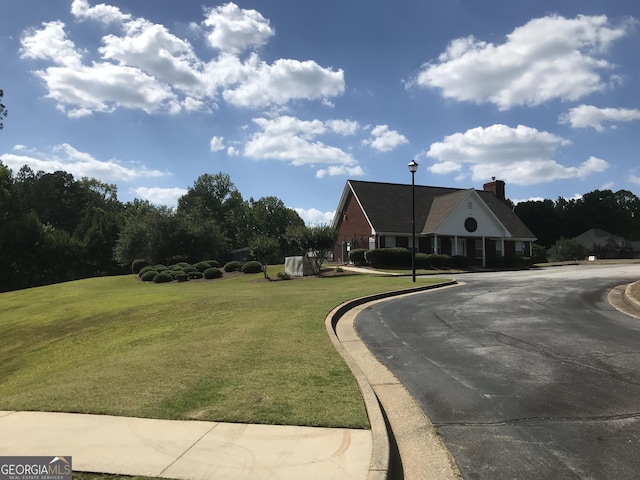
point(283, 275)
point(138, 264)
point(146, 269)
point(539, 254)
point(160, 267)
point(422, 261)
point(194, 275)
point(439, 261)
point(211, 273)
point(395, 257)
point(202, 266)
point(357, 256)
point(339, 269)
point(213, 263)
point(162, 277)
point(183, 264)
point(182, 277)
point(460, 262)
point(232, 266)
point(189, 269)
point(252, 267)
point(175, 268)
point(148, 275)
point(515, 261)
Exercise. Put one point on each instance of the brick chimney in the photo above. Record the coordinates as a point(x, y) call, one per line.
point(496, 187)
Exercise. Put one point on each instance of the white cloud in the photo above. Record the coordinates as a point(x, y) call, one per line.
point(634, 179)
point(283, 81)
point(293, 140)
point(385, 140)
point(216, 144)
point(340, 170)
point(50, 43)
point(548, 58)
point(80, 164)
point(446, 167)
point(531, 199)
point(193, 105)
point(343, 127)
point(235, 30)
point(155, 51)
point(584, 116)
point(103, 13)
point(147, 67)
point(313, 216)
point(521, 155)
point(160, 196)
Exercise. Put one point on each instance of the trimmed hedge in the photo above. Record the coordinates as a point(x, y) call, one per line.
point(357, 256)
point(252, 267)
point(146, 269)
point(138, 264)
point(211, 273)
point(232, 266)
point(460, 262)
point(148, 276)
point(194, 275)
point(182, 277)
point(395, 257)
point(162, 277)
point(202, 266)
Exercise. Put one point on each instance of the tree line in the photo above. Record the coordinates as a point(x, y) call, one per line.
point(615, 212)
point(56, 228)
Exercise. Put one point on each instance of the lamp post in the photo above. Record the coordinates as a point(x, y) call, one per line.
point(413, 168)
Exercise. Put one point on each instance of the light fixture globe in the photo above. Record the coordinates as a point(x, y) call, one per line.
point(413, 166)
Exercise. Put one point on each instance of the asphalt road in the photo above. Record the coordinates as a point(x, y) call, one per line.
point(526, 375)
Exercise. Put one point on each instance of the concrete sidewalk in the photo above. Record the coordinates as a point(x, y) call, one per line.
point(188, 449)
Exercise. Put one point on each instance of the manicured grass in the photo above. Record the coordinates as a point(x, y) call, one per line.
point(236, 350)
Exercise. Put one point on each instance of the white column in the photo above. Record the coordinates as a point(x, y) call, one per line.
point(484, 252)
point(455, 249)
point(435, 243)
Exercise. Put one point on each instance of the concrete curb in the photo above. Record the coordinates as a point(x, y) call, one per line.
point(621, 299)
point(405, 443)
point(630, 299)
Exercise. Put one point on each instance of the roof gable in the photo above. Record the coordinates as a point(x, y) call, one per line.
point(458, 207)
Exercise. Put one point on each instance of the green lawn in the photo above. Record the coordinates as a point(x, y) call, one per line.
point(236, 350)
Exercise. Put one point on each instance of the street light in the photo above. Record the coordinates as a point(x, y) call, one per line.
point(413, 168)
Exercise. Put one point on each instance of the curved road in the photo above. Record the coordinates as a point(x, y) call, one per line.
point(526, 375)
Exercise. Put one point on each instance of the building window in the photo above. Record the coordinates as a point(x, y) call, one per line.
point(470, 205)
point(389, 242)
point(499, 249)
point(520, 247)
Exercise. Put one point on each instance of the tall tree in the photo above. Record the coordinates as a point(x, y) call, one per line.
point(315, 241)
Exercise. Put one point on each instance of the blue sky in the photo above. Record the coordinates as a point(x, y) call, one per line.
point(292, 98)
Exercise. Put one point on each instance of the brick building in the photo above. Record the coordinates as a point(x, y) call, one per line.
point(477, 224)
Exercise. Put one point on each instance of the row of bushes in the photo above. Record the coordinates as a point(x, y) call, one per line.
point(184, 271)
point(401, 258)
